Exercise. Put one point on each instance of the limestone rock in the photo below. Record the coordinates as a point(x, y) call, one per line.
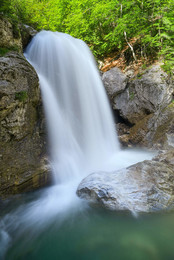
point(27, 33)
point(155, 130)
point(146, 94)
point(9, 35)
point(22, 140)
point(144, 187)
point(114, 81)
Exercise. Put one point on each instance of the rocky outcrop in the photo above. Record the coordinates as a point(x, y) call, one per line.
point(115, 82)
point(10, 35)
point(23, 166)
point(27, 33)
point(15, 36)
point(145, 104)
point(152, 91)
point(144, 187)
point(155, 130)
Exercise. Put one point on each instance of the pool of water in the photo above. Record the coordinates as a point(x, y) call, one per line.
point(81, 232)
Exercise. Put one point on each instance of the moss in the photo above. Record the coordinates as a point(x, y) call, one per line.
point(16, 31)
point(165, 125)
point(21, 96)
point(131, 96)
point(4, 51)
point(170, 106)
point(144, 66)
point(138, 131)
point(160, 132)
point(139, 75)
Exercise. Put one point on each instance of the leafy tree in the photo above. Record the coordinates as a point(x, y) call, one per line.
point(105, 25)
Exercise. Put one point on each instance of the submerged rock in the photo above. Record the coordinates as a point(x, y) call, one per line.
point(23, 166)
point(147, 186)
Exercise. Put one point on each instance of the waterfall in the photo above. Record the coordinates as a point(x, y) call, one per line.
point(82, 139)
point(80, 125)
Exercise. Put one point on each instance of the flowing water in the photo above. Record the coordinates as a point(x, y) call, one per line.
point(54, 223)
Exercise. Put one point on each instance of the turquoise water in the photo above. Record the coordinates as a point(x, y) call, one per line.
point(85, 233)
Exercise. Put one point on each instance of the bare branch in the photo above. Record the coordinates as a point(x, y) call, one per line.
point(131, 47)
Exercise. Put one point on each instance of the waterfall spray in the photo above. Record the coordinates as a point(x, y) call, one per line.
point(80, 124)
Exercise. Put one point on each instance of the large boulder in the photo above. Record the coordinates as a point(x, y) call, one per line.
point(114, 81)
point(23, 165)
point(147, 186)
point(149, 92)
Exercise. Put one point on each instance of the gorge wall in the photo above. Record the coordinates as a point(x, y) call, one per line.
point(145, 104)
point(23, 163)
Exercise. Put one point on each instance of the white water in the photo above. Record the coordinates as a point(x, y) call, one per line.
point(80, 125)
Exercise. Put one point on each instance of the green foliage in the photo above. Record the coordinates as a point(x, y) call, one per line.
point(131, 96)
point(5, 7)
point(102, 23)
point(21, 96)
point(4, 51)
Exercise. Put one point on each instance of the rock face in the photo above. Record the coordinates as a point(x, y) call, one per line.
point(155, 130)
point(22, 136)
point(115, 82)
point(137, 98)
point(27, 33)
point(9, 35)
point(144, 187)
point(145, 104)
point(145, 95)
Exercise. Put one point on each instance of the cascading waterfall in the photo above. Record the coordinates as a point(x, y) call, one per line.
point(81, 133)
point(80, 125)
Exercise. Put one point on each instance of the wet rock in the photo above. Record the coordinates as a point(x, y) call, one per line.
point(23, 166)
point(27, 33)
point(123, 132)
point(147, 186)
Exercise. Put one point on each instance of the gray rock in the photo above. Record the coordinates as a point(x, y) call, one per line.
point(150, 92)
point(144, 187)
point(23, 166)
point(10, 35)
point(155, 130)
point(27, 33)
point(114, 81)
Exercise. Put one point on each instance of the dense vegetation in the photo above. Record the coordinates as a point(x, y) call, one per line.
point(106, 25)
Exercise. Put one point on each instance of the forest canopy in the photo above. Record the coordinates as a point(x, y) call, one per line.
point(105, 25)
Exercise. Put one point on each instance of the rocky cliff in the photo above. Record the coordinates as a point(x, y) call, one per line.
point(145, 105)
point(23, 163)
